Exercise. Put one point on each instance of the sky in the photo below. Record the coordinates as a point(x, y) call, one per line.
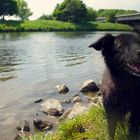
point(39, 7)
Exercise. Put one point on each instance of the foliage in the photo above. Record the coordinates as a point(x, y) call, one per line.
point(54, 25)
point(93, 122)
point(23, 11)
point(113, 27)
point(46, 17)
point(111, 17)
point(107, 12)
point(71, 11)
point(8, 8)
point(91, 14)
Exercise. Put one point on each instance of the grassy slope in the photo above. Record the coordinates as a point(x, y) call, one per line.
point(53, 25)
point(95, 125)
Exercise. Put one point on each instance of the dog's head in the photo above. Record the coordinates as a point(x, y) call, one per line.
point(121, 53)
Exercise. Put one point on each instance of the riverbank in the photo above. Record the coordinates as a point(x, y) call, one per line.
point(53, 25)
point(91, 125)
point(86, 118)
point(82, 121)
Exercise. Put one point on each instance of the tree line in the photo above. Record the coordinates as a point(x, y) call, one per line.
point(69, 10)
point(76, 11)
point(72, 11)
point(111, 13)
point(19, 8)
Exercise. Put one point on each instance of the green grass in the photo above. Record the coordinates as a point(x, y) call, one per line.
point(94, 122)
point(113, 27)
point(54, 25)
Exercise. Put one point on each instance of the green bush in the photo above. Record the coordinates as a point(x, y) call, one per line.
point(71, 11)
point(111, 17)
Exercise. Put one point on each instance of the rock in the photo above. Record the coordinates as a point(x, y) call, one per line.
point(99, 93)
point(38, 101)
point(80, 129)
point(23, 126)
point(90, 94)
point(63, 89)
point(67, 101)
point(77, 109)
point(65, 114)
point(42, 125)
point(23, 129)
point(70, 113)
point(49, 133)
point(89, 86)
point(76, 95)
point(96, 100)
point(99, 83)
point(76, 99)
point(54, 112)
point(52, 107)
point(92, 105)
point(22, 135)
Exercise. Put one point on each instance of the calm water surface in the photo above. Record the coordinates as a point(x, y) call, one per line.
point(32, 64)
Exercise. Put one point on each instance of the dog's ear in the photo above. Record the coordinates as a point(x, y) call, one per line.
point(105, 41)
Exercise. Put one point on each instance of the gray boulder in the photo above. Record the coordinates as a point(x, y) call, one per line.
point(23, 126)
point(89, 86)
point(96, 100)
point(77, 109)
point(38, 101)
point(22, 135)
point(76, 99)
point(62, 89)
point(52, 107)
point(65, 114)
point(23, 130)
point(42, 125)
point(67, 101)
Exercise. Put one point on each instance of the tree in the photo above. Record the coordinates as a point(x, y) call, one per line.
point(71, 11)
point(111, 17)
point(46, 17)
point(91, 14)
point(23, 11)
point(106, 12)
point(8, 8)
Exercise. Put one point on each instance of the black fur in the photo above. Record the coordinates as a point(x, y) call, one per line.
point(121, 81)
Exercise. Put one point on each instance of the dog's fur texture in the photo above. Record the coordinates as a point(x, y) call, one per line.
point(121, 81)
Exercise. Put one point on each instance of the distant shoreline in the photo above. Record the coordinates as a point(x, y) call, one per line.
point(54, 25)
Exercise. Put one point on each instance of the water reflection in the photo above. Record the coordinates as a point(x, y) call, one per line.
point(71, 35)
point(7, 63)
point(71, 58)
point(75, 63)
point(13, 36)
point(5, 78)
point(46, 55)
point(9, 55)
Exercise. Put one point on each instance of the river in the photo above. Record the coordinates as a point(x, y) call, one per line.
point(32, 64)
